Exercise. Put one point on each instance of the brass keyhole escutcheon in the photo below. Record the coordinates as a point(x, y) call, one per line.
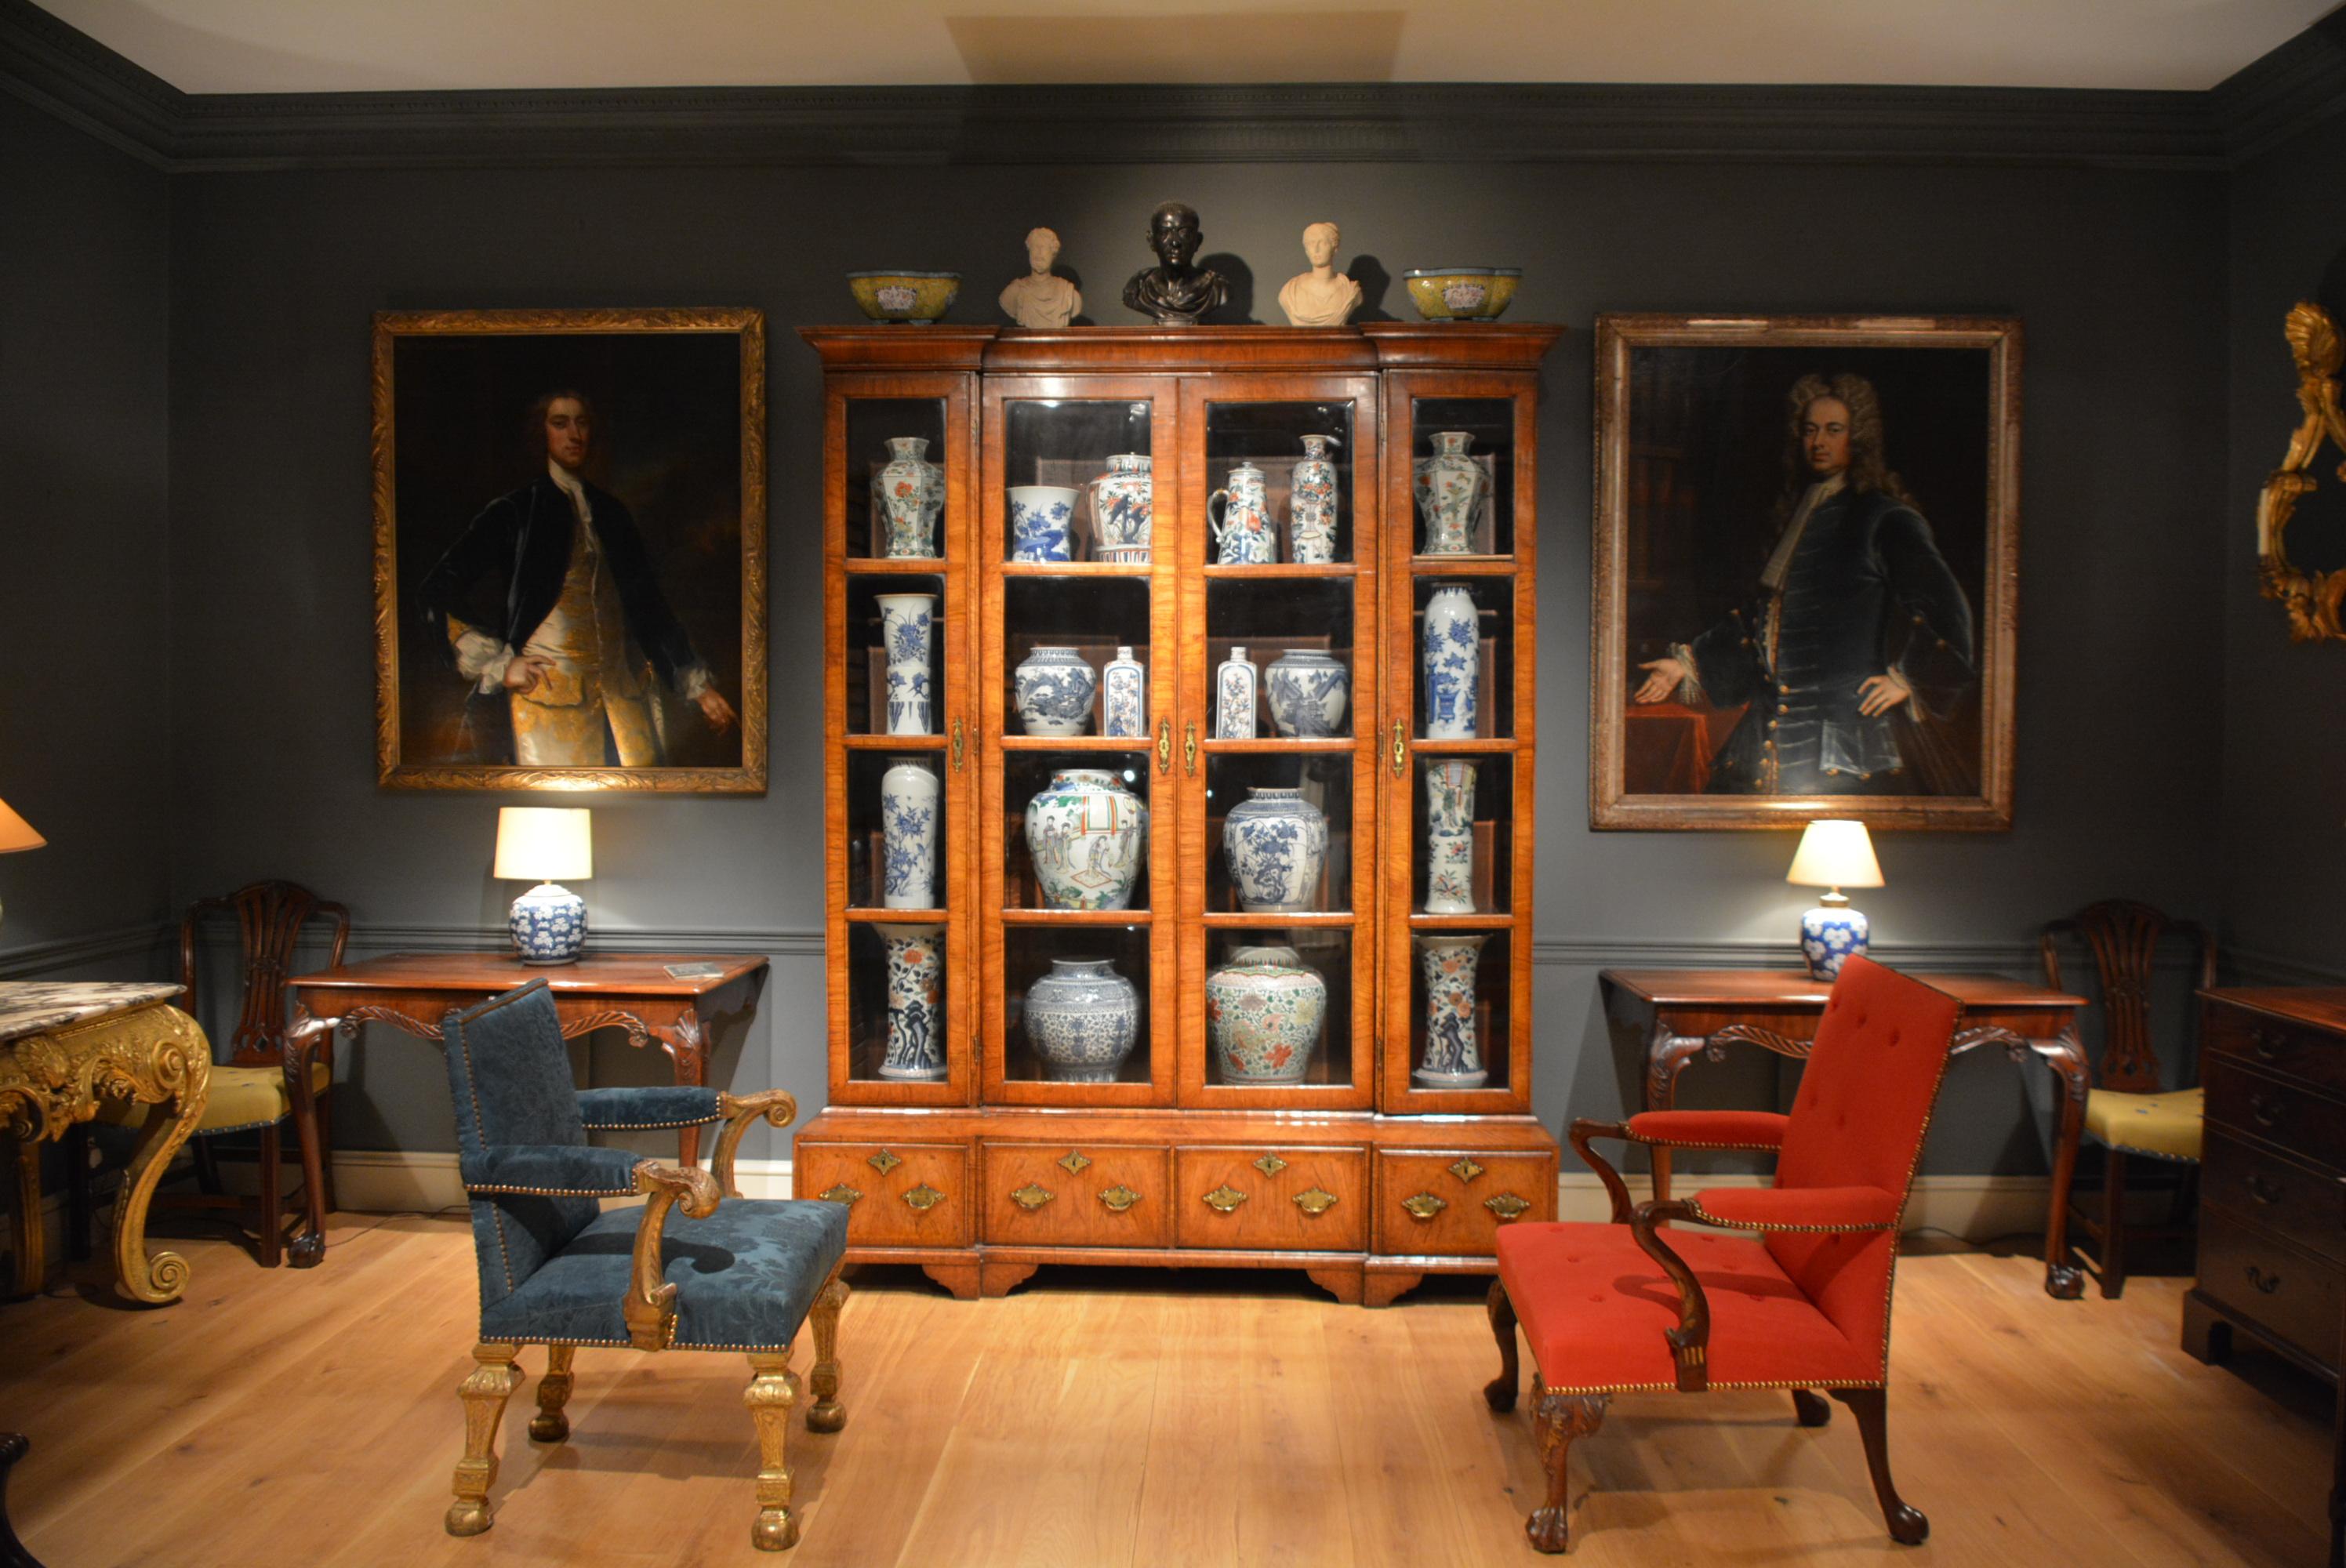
point(1163, 746)
point(884, 1162)
point(1425, 1205)
point(1119, 1198)
point(1401, 750)
point(842, 1193)
point(956, 746)
point(1190, 747)
point(1073, 1163)
point(1315, 1201)
point(922, 1198)
point(1465, 1169)
point(1271, 1164)
point(1505, 1205)
point(1031, 1198)
point(1225, 1197)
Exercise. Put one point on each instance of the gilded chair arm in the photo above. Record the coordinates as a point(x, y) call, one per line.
point(650, 1306)
point(1797, 1208)
point(778, 1107)
point(552, 1170)
point(1691, 1341)
point(647, 1107)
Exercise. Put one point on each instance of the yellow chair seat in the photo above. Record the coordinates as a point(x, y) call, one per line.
point(240, 1097)
point(2164, 1125)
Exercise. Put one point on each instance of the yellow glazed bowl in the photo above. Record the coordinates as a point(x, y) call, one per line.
point(1462, 293)
point(919, 298)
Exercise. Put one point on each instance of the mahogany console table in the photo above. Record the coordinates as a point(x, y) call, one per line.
point(1701, 1012)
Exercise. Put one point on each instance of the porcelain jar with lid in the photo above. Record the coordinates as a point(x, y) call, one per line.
point(1264, 1011)
point(1088, 837)
point(1083, 1020)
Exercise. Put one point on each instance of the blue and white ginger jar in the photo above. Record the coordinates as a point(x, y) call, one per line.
point(1308, 692)
point(1275, 843)
point(549, 924)
point(1083, 1020)
point(1053, 689)
point(1830, 933)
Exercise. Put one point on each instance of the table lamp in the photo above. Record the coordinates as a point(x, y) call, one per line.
point(540, 843)
point(15, 833)
point(1833, 854)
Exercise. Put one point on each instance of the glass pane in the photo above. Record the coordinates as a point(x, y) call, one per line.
point(1053, 451)
point(1076, 1003)
point(1464, 659)
point(1059, 636)
point(895, 831)
point(1279, 1007)
point(1088, 846)
point(1292, 812)
point(1458, 1010)
point(1462, 463)
point(896, 1002)
point(1298, 635)
point(1253, 453)
point(895, 477)
point(1464, 826)
point(896, 655)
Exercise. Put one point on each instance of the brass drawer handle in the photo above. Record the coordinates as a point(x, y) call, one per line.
point(2261, 1190)
point(884, 1162)
point(1465, 1169)
point(842, 1193)
point(956, 746)
point(2266, 1284)
point(1271, 1164)
point(923, 1198)
point(1163, 746)
point(1400, 748)
point(2265, 1047)
point(1190, 747)
point(1225, 1197)
point(1425, 1205)
point(1031, 1196)
point(1119, 1198)
point(1315, 1201)
point(1505, 1205)
point(2266, 1109)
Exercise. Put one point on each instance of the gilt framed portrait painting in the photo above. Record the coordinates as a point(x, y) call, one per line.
point(569, 550)
point(1806, 563)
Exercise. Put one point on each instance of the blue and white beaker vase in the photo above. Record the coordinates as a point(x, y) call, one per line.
point(1308, 691)
point(1449, 836)
point(1053, 689)
point(911, 494)
point(910, 810)
point(916, 1051)
point(908, 627)
point(1275, 843)
point(1452, 1059)
point(1453, 664)
point(1041, 522)
point(1124, 697)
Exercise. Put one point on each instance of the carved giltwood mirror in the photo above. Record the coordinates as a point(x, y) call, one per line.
point(2311, 599)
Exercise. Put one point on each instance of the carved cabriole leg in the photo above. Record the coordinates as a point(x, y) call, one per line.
point(550, 1425)
point(1811, 1408)
point(1871, 1406)
point(495, 1378)
point(687, 1048)
point(1559, 1420)
point(179, 1063)
point(772, 1389)
point(826, 1414)
point(2064, 1280)
point(1499, 1393)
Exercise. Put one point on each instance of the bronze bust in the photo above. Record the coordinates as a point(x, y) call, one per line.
point(1174, 292)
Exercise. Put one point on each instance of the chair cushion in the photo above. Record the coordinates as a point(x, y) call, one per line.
point(242, 1098)
point(744, 1277)
point(2164, 1125)
point(1594, 1308)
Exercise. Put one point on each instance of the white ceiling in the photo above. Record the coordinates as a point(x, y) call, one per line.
point(320, 46)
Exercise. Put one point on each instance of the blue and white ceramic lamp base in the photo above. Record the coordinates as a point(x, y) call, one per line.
point(1830, 934)
point(549, 924)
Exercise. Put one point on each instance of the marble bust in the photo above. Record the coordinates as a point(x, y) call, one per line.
point(1041, 298)
point(1322, 297)
point(1176, 291)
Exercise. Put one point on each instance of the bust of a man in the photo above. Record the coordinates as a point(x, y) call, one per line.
point(1042, 298)
point(1176, 291)
point(1322, 297)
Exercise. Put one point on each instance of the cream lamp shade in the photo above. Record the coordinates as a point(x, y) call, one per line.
point(15, 833)
point(544, 843)
point(1835, 854)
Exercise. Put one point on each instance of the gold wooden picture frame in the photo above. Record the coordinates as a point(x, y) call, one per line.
point(1806, 567)
point(2311, 599)
point(570, 550)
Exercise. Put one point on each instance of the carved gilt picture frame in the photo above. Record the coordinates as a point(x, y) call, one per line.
point(2309, 599)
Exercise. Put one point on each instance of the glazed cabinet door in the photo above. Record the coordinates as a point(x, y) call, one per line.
point(899, 465)
point(1274, 518)
point(1458, 743)
point(1077, 743)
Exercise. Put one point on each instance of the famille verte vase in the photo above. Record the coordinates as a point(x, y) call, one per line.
point(549, 924)
point(1453, 666)
point(1088, 835)
point(1452, 1059)
point(915, 1051)
point(1234, 711)
point(1243, 532)
point(1308, 690)
point(1263, 1013)
point(912, 494)
point(1449, 487)
point(1830, 934)
point(1449, 837)
point(1123, 503)
point(1083, 1020)
point(1053, 689)
point(1275, 843)
point(1311, 504)
point(907, 624)
point(1042, 523)
point(909, 795)
point(1124, 697)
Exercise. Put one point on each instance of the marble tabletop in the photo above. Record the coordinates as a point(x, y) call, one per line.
point(32, 1007)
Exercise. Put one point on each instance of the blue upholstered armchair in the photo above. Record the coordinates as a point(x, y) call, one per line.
point(560, 1270)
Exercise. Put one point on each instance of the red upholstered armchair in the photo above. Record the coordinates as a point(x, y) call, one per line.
point(1795, 1295)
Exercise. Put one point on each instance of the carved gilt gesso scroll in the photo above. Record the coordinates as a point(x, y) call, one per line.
point(2312, 599)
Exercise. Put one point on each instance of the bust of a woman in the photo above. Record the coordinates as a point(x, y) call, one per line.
point(1042, 298)
point(1322, 297)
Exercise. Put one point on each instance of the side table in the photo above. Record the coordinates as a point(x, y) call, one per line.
point(65, 1046)
point(1701, 1012)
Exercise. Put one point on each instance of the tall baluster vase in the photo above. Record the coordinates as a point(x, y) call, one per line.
point(911, 494)
point(1449, 488)
point(1452, 1059)
point(1311, 504)
point(908, 627)
point(1449, 836)
point(915, 1051)
point(909, 827)
point(1452, 652)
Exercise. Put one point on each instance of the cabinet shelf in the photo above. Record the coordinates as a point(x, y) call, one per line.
point(1075, 569)
point(1241, 920)
point(892, 742)
point(1289, 569)
point(864, 914)
point(1134, 744)
point(1034, 917)
point(1461, 566)
point(1335, 745)
point(896, 566)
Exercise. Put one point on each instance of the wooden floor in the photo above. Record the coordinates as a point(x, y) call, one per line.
point(1099, 1419)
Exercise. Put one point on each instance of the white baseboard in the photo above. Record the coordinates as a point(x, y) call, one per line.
point(388, 1182)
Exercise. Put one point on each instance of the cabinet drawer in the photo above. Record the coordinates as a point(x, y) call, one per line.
point(2304, 1205)
point(2279, 1114)
point(1304, 1200)
point(2272, 1046)
point(2260, 1279)
point(1075, 1195)
point(1448, 1204)
point(897, 1194)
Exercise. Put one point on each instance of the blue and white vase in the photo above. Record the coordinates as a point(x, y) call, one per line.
point(1311, 504)
point(1449, 487)
point(911, 494)
point(907, 626)
point(1234, 714)
point(909, 813)
point(1453, 666)
point(916, 1051)
point(1053, 687)
point(1244, 535)
point(1083, 1020)
point(1124, 697)
point(1088, 837)
point(1123, 507)
point(549, 924)
point(1275, 843)
point(1452, 1059)
point(1449, 836)
point(1830, 933)
point(1308, 691)
point(1041, 522)
point(1264, 1009)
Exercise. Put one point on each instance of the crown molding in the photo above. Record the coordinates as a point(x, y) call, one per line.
point(2284, 93)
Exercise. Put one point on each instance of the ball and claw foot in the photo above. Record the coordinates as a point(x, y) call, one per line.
point(306, 1251)
point(2063, 1282)
point(1499, 1393)
point(1550, 1529)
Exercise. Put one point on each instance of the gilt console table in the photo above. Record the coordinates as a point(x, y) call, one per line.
point(65, 1048)
point(1701, 1012)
